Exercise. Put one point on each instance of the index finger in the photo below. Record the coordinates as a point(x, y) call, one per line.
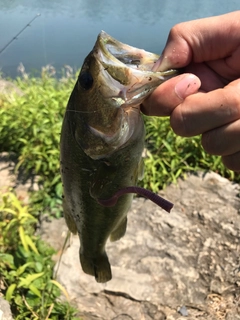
point(201, 40)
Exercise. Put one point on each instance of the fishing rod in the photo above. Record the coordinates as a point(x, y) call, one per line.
point(18, 34)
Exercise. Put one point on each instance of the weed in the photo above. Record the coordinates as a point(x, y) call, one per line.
point(169, 156)
point(30, 127)
point(26, 267)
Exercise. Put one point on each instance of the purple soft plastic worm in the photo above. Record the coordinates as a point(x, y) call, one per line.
point(161, 202)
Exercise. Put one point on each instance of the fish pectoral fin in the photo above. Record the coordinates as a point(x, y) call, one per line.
point(119, 232)
point(98, 267)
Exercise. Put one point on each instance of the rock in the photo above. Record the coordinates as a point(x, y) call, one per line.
point(187, 260)
point(183, 311)
point(5, 311)
point(8, 179)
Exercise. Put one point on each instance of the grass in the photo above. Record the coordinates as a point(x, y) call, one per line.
point(170, 156)
point(26, 266)
point(30, 127)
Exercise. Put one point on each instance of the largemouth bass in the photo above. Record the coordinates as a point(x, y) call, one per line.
point(102, 140)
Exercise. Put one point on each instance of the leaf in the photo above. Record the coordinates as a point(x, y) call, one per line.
point(27, 216)
point(31, 244)
point(23, 238)
point(8, 259)
point(8, 210)
point(22, 268)
point(35, 290)
point(38, 266)
point(64, 291)
point(11, 224)
point(10, 291)
point(25, 282)
point(16, 203)
point(18, 300)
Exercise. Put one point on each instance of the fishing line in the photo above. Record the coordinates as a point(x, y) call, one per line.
point(98, 110)
point(87, 112)
point(44, 40)
point(18, 34)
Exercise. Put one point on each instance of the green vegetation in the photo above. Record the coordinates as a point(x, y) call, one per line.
point(26, 266)
point(170, 156)
point(30, 127)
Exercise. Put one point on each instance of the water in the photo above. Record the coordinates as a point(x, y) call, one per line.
point(66, 30)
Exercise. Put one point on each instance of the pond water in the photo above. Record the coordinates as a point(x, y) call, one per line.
point(66, 31)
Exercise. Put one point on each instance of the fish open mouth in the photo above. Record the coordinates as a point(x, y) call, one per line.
point(122, 77)
point(129, 69)
point(128, 55)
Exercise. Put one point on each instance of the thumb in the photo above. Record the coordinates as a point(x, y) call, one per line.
point(166, 97)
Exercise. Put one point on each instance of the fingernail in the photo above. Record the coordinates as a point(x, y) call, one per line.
point(189, 84)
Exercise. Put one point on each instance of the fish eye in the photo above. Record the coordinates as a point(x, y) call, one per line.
point(86, 80)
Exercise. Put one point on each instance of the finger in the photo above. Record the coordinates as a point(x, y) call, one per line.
point(223, 141)
point(202, 40)
point(203, 112)
point(210, 80)
point(169, 94)
point(232, 162)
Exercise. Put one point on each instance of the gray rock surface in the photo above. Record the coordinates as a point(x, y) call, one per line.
point(182, 265)
point(5, 312)
point(8, 179)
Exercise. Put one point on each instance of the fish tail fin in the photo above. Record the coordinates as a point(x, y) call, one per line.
point(98, 267)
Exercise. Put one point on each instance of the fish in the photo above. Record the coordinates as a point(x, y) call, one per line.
point(101, 145)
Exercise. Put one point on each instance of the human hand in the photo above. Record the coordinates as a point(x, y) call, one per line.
point(206, 98)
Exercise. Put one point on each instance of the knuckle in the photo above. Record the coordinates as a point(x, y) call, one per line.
point(181, 119)
point(211, 143)
point(232, 162)
point(176, 30)
point(232, 102)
